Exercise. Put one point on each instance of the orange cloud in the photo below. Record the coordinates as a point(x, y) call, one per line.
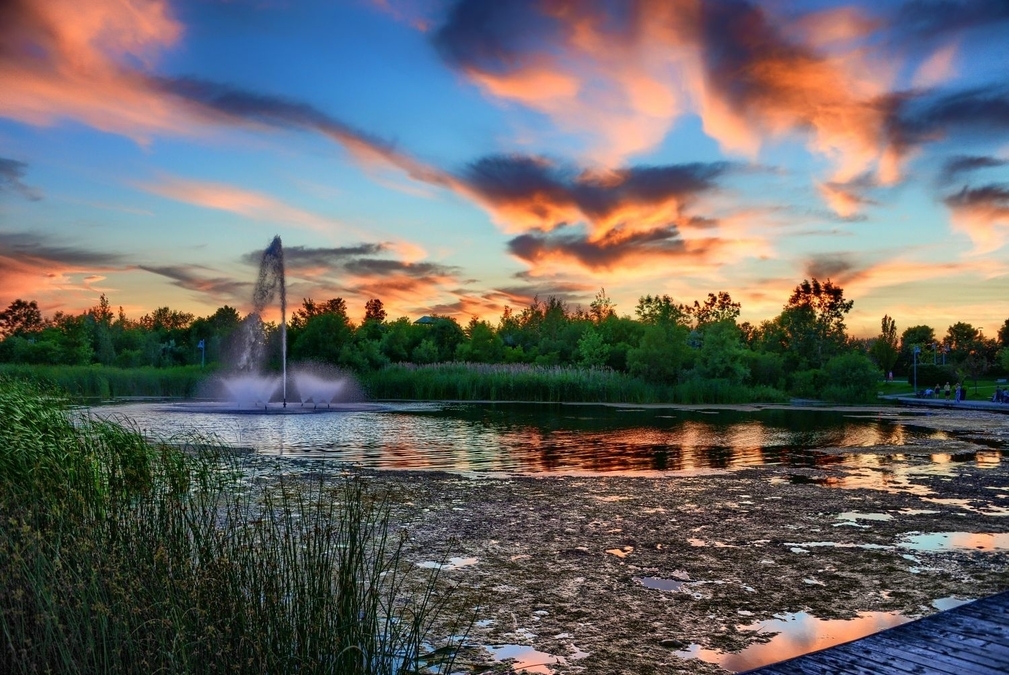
point(982, 214)
point(67, 59)
point(624, 77)
point(236, 200)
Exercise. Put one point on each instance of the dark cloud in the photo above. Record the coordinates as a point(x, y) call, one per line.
point(384, 267)
point(25, 246)
point(927, 19)
point(228, 104)
point(194, 278)
point(305, 257)
point(358, 261)
point(601, 254)
point(994, 196)
point(836, 266)
point(11, 173)
point(494, 36)
point(536, 184)
point(960, 164)
point(916, 119)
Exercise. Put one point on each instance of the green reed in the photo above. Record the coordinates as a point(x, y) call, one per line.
point(521, 382)
point(119, 554)
point(104, 382)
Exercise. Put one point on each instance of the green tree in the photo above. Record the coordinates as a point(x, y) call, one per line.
point(813, 320)
point(400, 338)
point(602, 308)
point(374, 311)
point(960, 339)
point(714, 309)
point(322, 338)
point(482, 344)
point(722, 354)
point(658, 309)
point(660, 355)
point(1003, 334)
point(885, 349)
point(21, 318)
point(593, 351)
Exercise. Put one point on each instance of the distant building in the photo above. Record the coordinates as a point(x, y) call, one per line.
point(425, 321)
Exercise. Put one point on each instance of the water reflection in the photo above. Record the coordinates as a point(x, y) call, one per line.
point(531, 438)
point(956, 541)
point(795, 634)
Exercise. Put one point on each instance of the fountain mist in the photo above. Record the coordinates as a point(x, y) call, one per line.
point(247, 384)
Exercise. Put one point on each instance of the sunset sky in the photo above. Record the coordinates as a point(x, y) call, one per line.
point(460, 156)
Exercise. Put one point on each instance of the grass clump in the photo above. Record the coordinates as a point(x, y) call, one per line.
point(123, 555)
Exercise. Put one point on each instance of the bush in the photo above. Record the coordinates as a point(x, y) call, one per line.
point(849, 378)
point(929, 375)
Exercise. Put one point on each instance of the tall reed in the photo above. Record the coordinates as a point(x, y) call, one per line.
point(521, 382)
point(118, 554)
point(97, 381)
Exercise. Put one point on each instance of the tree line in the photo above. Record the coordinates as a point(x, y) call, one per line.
point(804, 351)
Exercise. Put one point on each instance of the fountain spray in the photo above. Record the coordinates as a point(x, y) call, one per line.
point(269, 284)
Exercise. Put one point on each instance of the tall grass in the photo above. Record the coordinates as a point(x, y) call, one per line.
point(122, 555)
point(519, 382)
point(97, 381)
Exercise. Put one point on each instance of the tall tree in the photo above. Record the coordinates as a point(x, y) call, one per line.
point(374, 311)
point(1003, 334)
point(885, 349)
point(602, 308)
point(812, 321)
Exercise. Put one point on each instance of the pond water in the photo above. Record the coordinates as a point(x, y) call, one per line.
point(544, 438)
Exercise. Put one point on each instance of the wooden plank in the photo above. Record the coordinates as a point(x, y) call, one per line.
point(996, 633)
point(880, 651)
point(926, 653)
point(828, 661)
point(971, 639)
point(962, 642)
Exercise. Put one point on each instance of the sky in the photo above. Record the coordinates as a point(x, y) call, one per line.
point(461, 156)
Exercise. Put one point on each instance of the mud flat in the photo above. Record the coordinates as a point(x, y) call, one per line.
point(680, 572)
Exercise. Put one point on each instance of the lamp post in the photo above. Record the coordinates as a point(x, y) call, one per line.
point(935, 352)
point(917, 350)
point(203, 353)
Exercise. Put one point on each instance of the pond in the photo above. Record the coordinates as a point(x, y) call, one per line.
point(610, 538)
point(542, 438)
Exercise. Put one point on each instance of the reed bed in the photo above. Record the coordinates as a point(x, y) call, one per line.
point(522, 382)
point(105, 382)
point(119, 554)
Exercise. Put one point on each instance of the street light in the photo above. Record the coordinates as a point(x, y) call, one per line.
point(917, 350)
point(935, 352)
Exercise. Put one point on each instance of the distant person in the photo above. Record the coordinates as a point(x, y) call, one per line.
point(958, 390)
point(889, 376)
point(947, 391)
point(937, 390)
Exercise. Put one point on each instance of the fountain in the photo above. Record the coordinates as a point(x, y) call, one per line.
point(246, 385)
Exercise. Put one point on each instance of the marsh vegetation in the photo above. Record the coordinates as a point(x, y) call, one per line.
point(119, 553)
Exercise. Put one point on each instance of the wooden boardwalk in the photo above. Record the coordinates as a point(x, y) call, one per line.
point(969, 639)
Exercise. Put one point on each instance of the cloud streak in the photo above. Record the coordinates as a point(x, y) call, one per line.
point(11, 173)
